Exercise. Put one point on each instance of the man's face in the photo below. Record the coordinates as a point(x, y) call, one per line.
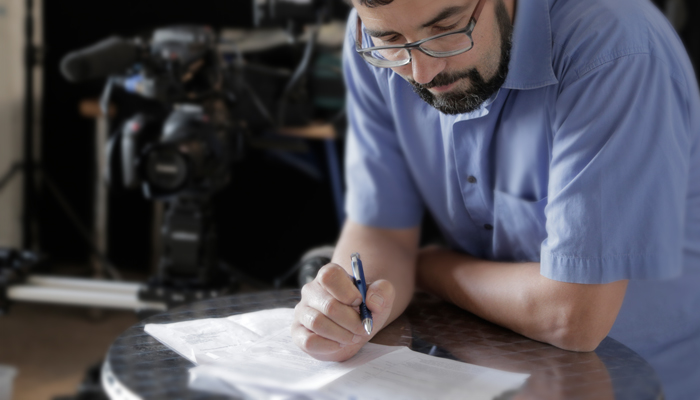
point(457, 84)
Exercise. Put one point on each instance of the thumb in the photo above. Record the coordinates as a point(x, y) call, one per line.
point(380, 299)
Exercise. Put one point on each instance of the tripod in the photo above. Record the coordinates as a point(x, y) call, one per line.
point(188, 270)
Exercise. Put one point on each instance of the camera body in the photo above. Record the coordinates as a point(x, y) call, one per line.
point(187, 146)
point(186, 153)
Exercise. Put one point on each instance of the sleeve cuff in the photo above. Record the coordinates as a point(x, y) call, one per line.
point(597, 270)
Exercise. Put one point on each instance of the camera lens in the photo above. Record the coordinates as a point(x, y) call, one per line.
point(166, 169)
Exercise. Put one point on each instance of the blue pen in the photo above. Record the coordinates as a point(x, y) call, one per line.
point(359, 274)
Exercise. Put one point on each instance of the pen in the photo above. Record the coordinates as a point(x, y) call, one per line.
point(359, 274)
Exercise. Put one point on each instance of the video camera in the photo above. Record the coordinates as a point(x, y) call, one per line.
point(187, 146)
point(203, 124)
point(182, 151)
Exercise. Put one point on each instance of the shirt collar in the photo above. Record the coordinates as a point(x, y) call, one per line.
point(530, 64)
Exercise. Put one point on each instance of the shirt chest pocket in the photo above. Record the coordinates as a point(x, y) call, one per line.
point(519, 228)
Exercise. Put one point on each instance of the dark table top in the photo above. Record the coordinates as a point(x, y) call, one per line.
point(138, 366)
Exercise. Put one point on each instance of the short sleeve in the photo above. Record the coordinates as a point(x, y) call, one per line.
point(618, 175)
point(380, 189)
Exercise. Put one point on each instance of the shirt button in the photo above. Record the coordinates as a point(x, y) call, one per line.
point(488, 227)
point(471, 179)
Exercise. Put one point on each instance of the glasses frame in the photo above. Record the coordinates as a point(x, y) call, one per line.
point(416, 45)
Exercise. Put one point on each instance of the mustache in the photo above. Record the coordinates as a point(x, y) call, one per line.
point(443, 79)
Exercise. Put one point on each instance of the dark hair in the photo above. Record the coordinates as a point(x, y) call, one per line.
point(371, 3)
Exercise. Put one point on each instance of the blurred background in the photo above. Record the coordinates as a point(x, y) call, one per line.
point(264, 83)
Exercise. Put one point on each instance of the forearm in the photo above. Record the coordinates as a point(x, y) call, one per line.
point(516, 296)
point(386, 254)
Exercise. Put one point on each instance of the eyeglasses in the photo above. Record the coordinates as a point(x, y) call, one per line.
point(443, 45)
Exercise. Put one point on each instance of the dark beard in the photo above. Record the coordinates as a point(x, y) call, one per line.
point(471, 99)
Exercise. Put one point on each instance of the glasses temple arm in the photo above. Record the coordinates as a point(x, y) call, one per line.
point(477, 10)
point(358, 38)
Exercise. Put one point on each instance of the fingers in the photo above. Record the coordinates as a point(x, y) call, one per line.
point(344, 331)
point(326, 324)
point(319, 303)
point(310, 341)
point(320, 312)
point(336, 281)
point(319, 347)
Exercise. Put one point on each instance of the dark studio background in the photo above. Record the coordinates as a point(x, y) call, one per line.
point(267, 216)
point(689, 32)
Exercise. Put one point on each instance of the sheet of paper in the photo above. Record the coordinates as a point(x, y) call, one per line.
point(399, 374)
point(252, 356)
point(265, 322)
point(409, 375)
point(277, 363)
point(202, 379)
point(189, 337)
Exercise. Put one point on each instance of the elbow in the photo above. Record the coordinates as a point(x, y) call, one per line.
point(581, 316)
point(577, 333)
point(578, 340)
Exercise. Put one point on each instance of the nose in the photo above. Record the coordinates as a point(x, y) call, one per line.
point(424, 67)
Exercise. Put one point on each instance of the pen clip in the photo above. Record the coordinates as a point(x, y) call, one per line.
point(355, 258)
point(359, 274)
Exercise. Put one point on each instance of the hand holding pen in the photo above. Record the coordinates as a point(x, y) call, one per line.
point(326, 323)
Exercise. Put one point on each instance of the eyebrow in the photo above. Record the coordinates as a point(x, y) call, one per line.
point(444, 14)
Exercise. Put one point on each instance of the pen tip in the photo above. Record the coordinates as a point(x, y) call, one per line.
point(368, 325)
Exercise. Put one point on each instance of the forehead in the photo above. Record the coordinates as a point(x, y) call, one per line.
point(404, 14)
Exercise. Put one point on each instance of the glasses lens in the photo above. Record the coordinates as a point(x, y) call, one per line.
point(446, 45)
point(390, 54)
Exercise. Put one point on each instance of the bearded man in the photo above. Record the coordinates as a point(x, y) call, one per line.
point(556, 144)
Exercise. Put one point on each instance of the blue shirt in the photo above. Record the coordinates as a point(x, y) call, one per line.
point(587, 161)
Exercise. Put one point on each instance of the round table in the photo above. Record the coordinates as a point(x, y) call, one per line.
point(139, 367)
